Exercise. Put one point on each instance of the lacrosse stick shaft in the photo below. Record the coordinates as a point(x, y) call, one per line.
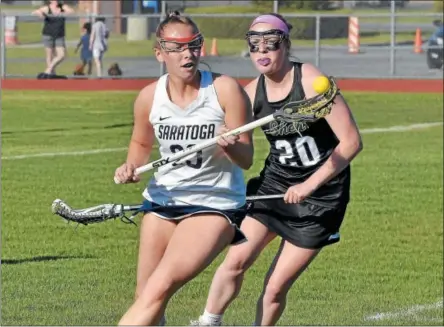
point(307, 110)
point(251, 198)
point(106, 212)
point(205, 144)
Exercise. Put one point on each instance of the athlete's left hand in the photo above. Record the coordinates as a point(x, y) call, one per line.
point(226, 141)
point(298, 193)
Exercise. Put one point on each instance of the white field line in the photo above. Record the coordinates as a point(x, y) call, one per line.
point(391, 129)
point(411, 312)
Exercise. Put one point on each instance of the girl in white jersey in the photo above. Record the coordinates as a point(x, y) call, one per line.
point(185, 107)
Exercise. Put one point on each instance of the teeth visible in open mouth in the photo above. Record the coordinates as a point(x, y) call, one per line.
point(189, 65)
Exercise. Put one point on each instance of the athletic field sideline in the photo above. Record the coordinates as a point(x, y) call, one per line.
point(387, 270)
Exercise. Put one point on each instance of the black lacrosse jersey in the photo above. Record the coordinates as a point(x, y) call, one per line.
point(298, 149)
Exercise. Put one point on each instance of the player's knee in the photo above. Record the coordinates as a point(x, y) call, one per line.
point(158, 290)
point(275, 292)
point(138, 292)
point(237, 264)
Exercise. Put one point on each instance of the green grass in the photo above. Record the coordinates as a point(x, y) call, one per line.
point(390, 256)
point(418, 18)
point(17, 7)
point(119, 47)
point(31, 32)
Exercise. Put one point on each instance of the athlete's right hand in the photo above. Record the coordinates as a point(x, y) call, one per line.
point(224, 142)
point(125, 174)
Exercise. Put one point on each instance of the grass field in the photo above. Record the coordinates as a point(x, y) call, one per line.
point(31, 61)
point(30, 32)
point(389, 259)
point(417, 16)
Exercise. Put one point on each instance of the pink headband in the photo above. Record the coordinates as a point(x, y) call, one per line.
point(276, 22)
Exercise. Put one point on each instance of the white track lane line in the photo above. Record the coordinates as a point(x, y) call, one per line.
point(391, 129)
point(410, 312)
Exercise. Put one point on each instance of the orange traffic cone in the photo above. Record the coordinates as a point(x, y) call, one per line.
point(418, 41)
point(203, 53)
point(214, 48)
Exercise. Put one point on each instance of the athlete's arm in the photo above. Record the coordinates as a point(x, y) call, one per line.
point(237, 107)
point(142, 138)
point(342, 123)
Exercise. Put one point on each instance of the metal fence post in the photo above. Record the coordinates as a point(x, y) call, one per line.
point(392, 37)
point(3, 46)
point(162, 17)
point(318, 41)
point(275, 6)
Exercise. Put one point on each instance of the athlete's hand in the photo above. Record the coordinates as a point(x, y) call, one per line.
point(226, 141)
point(298, 193)
point(125, 174)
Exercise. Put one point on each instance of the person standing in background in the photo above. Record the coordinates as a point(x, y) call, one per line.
point(53, 33)
point(98, 43)
point(86, 53)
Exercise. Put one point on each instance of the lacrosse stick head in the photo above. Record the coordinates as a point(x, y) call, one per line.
point(88, 215)
point(310, 110)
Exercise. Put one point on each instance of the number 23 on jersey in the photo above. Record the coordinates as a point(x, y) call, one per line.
point(302, 152)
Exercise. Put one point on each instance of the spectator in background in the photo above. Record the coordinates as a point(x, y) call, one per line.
point(53, 33)
point(98, 43)
point(86, 53)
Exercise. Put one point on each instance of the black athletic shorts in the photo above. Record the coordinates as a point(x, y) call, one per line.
point(177, 213)
point(306, 225)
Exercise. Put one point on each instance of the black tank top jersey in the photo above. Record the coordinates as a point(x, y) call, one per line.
point(54, 26)
point(297, 150)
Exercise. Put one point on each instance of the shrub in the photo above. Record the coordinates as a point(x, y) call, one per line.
point(236, 27)
point(438, 5)
point(304, 28)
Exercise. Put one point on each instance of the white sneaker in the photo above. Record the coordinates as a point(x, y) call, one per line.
point(200, 322)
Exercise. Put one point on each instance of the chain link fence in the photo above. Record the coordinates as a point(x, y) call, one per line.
point(389, 45)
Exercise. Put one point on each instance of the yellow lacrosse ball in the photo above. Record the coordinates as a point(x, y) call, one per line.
point(321, 84)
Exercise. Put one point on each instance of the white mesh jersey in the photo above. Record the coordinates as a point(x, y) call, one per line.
point(207, 178)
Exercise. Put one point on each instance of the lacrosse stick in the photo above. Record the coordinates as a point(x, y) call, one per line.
point(308, 110)
point(103, 212)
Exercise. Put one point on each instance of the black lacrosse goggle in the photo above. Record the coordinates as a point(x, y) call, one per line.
point(272, 39)
point(174, 44)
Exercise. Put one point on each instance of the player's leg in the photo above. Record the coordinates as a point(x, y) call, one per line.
point(289, 263)
point(155, 233)
point(303, 239)
point(195, 243)
point(227, 281)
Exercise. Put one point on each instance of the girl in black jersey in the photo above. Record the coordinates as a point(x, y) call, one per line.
point(307, 163)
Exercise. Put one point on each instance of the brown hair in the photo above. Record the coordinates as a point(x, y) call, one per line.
point(174, 17)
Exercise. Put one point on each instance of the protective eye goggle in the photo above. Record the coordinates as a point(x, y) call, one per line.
point(194, 42)
point(272, 40)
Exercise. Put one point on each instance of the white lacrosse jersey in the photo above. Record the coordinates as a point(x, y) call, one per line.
point(207, 178)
